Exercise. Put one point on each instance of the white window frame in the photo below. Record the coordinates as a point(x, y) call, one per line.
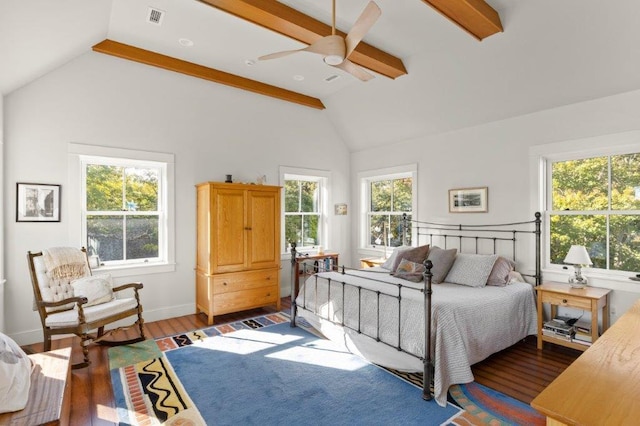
point(365, 178)
point(323, 178)
point(79, 156)
point(541, 159)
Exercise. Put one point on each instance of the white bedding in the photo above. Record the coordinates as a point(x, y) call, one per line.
point(468, 323)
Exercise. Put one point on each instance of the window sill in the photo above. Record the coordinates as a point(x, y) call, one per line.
point(612, 280)
point(135, 270)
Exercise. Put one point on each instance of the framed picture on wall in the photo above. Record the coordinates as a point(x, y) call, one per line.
point(468, 200)
point(37, 202)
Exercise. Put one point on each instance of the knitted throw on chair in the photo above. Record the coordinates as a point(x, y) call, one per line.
point(64, 262)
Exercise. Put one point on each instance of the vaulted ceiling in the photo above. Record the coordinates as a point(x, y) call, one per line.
point(440, 65)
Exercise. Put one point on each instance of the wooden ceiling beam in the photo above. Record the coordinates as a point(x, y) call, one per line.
point(289, 22)
point(148, 57)
point(474, 16)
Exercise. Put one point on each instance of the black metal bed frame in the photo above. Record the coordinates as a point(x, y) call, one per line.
point(496, 234)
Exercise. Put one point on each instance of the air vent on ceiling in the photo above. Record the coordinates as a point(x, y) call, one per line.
point(332, 78)
point(155, 16)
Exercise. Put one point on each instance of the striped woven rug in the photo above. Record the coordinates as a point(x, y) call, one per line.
point(147, 391)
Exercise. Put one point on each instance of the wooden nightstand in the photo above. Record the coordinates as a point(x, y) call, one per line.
point(589, 299)
point(369, 263)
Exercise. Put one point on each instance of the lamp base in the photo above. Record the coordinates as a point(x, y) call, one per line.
point(577, 282)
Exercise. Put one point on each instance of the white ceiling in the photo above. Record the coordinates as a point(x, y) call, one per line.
point(551, 53)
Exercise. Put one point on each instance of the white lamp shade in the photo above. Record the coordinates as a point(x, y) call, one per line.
point(578, 256)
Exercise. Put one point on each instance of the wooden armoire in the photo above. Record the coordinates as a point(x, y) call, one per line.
point(238, 247)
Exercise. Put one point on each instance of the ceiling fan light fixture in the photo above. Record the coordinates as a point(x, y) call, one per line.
point(333, 59)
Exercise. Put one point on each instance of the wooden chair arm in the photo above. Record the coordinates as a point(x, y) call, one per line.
point(80, 300)
point(136, 286)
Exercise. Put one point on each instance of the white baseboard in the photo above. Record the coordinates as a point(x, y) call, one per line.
point(35, 336)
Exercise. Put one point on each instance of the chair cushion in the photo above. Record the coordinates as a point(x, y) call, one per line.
point(53, 290)
point(96, 288)
point(69, 318)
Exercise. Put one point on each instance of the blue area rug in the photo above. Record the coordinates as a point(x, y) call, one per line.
point(261, 372)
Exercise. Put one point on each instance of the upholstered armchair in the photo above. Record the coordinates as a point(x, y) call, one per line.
point(71, 300)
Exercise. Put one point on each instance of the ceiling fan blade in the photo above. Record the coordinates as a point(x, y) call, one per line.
point(329, 45)
point(365, 21)
point(326, 46)
point(354, 70)
point(278, 54)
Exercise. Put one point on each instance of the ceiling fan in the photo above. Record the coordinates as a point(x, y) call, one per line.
point(336, 49)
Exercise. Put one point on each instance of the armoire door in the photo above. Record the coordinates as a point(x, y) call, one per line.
point(264, 233)
point(229, 245)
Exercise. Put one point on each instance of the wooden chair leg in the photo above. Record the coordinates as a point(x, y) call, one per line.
point(47, 341)
point(141, 324)
point(85, 339)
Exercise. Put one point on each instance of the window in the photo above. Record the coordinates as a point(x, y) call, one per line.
point(305, 208)
point(123, 209)
point(385, 199)
point(124, 204)
point(595, 201)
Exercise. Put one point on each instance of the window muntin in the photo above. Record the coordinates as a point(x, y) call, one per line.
point(123, 210)
point(303, 211)
point(595, 202)
point(388, 199)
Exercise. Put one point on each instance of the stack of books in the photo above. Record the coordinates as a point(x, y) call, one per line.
point(582, 333)
point(558, 329)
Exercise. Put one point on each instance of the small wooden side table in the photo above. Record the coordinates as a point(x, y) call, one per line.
point(591, 299)
point(315, 257)
point(369, 263)
point(50, 392)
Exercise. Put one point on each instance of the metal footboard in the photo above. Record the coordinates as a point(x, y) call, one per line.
point(494, 234)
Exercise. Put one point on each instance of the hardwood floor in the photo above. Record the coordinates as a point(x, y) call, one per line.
point(520, 371)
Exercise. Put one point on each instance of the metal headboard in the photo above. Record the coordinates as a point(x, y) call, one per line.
point(498, 238)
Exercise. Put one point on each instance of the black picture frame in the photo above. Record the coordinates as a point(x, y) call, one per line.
point(469, 200)
point(37, 202)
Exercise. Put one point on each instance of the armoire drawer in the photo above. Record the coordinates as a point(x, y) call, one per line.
point(238, 281)
point(240, 300)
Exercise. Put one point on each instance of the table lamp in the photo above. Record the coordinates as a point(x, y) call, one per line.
point(578, 257)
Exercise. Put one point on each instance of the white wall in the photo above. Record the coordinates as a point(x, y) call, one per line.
point(497, 155)
point(2, 309)
point(211, 129)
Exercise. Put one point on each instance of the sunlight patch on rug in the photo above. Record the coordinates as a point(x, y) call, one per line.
point(330, 357)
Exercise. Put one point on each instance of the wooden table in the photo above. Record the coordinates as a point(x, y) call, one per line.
point(591, 299)
point(369, 263)
point(602, 385)
point(313, 257)
point(50, 392)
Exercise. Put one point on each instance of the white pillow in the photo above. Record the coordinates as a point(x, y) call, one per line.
point(388, 264)
point(15, 375)
point(96, 288)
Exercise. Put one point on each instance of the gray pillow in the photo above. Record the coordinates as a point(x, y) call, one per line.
point(442, 261)
point(417, 255)
point(471, 269)
point(499, 275)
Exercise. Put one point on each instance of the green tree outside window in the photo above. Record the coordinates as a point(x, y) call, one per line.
point(595, 202)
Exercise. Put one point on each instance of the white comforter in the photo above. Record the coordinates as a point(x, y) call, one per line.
point(468, 324)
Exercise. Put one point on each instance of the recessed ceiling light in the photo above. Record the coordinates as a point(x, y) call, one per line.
point(298, 77)
point(185, 42)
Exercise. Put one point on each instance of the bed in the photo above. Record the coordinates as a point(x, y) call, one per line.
point(448, 320)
